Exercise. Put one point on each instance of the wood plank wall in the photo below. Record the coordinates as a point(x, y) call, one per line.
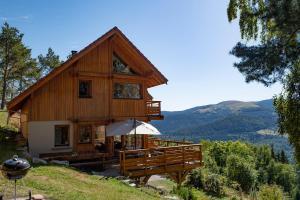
point(58, 99)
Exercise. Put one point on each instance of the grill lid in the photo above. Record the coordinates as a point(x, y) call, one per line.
point(15, 164)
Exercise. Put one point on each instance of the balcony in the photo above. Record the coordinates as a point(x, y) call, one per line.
point(154, 110)
point(176, 161)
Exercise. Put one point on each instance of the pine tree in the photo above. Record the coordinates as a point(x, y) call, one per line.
point(274, 25)
point(272, 151)
point(48, 62)
point(16, 65)
point(283, 157)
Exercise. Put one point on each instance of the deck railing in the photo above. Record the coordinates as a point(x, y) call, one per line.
point(156, 142)
point(147, 162)
point(153, 108)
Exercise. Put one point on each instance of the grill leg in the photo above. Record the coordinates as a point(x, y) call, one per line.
point(15, 189)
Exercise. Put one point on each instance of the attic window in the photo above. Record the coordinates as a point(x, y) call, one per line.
point(120, 67)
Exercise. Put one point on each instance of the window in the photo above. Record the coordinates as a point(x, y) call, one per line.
point(127, 91)
point(85, 134)
point(100, 134)
point(85, 88)
point(120, 67)
point(62, 135)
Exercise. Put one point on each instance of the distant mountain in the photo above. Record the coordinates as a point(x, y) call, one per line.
point(229, 120)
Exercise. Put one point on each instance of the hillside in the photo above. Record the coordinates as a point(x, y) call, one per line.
point(228, 120)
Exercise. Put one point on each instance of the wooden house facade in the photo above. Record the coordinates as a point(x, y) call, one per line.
point(67, 110)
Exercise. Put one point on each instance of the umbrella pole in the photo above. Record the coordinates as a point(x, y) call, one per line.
point(134, 133)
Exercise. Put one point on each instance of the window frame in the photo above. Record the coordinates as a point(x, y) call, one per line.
point(91, 134)
point(90, 89)
point(141, 90)
point(68, 138)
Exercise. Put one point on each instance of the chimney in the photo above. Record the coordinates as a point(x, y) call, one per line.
point(73, 52)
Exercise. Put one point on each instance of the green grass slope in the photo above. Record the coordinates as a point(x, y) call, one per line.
point(56, 182)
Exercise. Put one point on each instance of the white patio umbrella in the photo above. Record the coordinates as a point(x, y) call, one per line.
point(131, 127)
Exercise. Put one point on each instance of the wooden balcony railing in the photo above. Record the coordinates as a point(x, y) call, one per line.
point(154, 109)
point(156, 142)
point(175, 161)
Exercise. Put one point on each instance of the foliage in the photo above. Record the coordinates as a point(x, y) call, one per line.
point(196, 178)
point(283, 175)
point(270, 192)
point(275, 26)
point(48, 63)
point(17, 68)
point(214, 184)
point(247, 169)
point(241, 171)
point(185, 193)
point(204, 179)
point(287, 105)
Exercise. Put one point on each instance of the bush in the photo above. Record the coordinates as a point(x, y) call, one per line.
point(283, 175)
point(241, 171)
point(209, 182)
point(196, 178)
point(267, 192)
point(185, 193)
point(214, 184)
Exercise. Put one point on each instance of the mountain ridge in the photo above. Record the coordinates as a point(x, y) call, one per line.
point(253, 121)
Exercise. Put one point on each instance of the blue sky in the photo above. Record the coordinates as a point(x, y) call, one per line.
point(188, 40)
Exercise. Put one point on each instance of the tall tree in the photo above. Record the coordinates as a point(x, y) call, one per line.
point(16, 63)
point(274, 26)
point(48, 62)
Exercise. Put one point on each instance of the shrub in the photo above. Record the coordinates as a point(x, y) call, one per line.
point(211, 164)
point(206, 180)
point(283, 175)
point(267, 192)
point(196, 178)
point(214, 184)
point(185, 193)
point(241, 171)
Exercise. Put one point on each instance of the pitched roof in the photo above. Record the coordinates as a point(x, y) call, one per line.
point(15, 103)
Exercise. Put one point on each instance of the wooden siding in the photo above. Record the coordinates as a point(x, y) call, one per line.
point(24, 117)
point(54, 100)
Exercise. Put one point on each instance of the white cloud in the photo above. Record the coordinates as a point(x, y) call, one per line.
point(23, 18)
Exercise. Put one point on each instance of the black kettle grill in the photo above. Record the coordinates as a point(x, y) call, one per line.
point(15, 169)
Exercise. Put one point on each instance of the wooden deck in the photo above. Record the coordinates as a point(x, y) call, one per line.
point(175, 161)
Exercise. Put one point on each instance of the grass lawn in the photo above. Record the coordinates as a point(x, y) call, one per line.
point(3, 118)
point(56, 182)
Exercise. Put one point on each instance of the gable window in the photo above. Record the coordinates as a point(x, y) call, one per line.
point(120, 67)
point(85, 134)
point(85, 89)
point(127, 91)
point(62, 135)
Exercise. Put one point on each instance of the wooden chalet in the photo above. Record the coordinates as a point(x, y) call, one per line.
point(64, 114)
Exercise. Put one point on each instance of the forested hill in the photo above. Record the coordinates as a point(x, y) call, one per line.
point(224, 117)
point(228, 120)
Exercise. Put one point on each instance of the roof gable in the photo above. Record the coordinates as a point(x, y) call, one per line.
point(15, 103)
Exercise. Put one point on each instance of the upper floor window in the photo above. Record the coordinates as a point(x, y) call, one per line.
point(85, 89)
point(61, 135)
point(127, 91)
point(120, 67)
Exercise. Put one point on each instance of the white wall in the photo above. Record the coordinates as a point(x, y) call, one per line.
point(41, 137)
